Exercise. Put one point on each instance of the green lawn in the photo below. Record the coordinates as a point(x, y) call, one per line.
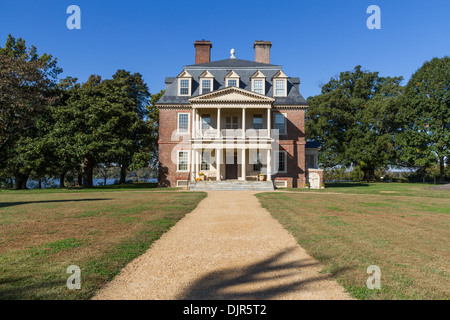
point(402, 228)
point(100, 230)
point(388, 189)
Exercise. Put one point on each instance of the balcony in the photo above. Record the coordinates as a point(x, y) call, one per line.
point(251, 134)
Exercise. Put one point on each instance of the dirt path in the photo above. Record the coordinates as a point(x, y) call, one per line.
point(229, 247)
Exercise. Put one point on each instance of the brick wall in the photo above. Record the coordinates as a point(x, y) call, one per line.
point(294, 145)
point(167, 171)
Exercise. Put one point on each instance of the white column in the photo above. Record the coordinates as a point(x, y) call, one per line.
point(269, 165)
point(243, 123)
point(192, 164)
point(269, 125)
point(193, 123)
point(218, 162)
point(218, 123)
point(243, 165)
point(197, 124)
point(198, 159)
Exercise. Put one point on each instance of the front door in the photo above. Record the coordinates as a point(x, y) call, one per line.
point(231, 169)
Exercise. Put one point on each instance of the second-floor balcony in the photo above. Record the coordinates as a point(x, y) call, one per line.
point(211, 134)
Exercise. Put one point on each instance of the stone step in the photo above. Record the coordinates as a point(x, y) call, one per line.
point(234, 185)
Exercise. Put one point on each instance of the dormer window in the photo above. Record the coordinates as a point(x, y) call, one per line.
point(206, 82)
point(206, 86)
point(232, 79)
point(184, 84)
point(258, 86)
point(259, 83)
point(280, 84)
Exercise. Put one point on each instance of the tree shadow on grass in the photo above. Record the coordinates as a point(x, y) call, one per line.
point(10, 204)
point(218, 285)
point(10, 290)
point(345, 184)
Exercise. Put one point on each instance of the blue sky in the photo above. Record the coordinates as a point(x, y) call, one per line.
point(313, 40)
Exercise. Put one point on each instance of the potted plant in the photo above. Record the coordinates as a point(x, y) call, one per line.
point(306, 185)
point(260, 177)
point(202, 176)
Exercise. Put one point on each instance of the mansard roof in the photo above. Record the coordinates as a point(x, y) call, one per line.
point(245, 69)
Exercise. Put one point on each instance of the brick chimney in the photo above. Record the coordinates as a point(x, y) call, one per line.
point(262, 51)
point(202, 51)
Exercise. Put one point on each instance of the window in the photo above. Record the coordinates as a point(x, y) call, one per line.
point(232, 79)
point(282, 161)
point(259, 83)
point(280, 87)
point(184, 83)
point(257, 161)
point(206, 81)
point(258, 86)
point(311, 161)
point(257, 121)
point(280, 123)
point(183, 161)
point(231, 122)
point(206, 161)
point(206, 86)
point(184, 87)
point(232, 83)
point(280, 84)
point(183, 123)
point(206, 121)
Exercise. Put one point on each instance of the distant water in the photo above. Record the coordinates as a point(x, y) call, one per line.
point(32, 184)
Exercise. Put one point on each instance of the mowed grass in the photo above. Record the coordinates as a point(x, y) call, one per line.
point(407, 236)
point(43, 232)
point(386, 189)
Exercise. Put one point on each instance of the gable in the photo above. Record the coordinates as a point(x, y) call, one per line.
point(231, 94)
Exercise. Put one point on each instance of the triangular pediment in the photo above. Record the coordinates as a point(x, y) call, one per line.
point(184, 74)
point(232, 74)
point(280, 74)
point(206, 74)
point(258, 74)
point(232, 94)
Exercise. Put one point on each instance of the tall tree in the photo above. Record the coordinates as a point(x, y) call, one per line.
point(354, 120)
point(153, 125)
point(425, 117)
point(26, 90)
point(131, 149)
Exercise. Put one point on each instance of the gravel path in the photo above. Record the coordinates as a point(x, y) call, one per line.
point(229, 247)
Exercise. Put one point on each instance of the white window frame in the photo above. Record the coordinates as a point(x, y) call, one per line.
point(275, 87)
point(188, 123)
point(233, 79)
point(211, 82)
point(188, 160)
point(189, 87)
point(208, 163)
point(278, 161)
point(263, 85)
point(285, 123)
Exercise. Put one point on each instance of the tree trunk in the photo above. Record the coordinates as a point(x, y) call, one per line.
point(441, 169)
point(369, 174)
point(80, 179)
point(62, 176)
point(21, 180)
point(123, 174)
point(88, 172)
point(40, 183)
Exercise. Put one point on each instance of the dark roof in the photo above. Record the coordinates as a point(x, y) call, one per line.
point(312, 144)
point(245, 69)
point(232, 63)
